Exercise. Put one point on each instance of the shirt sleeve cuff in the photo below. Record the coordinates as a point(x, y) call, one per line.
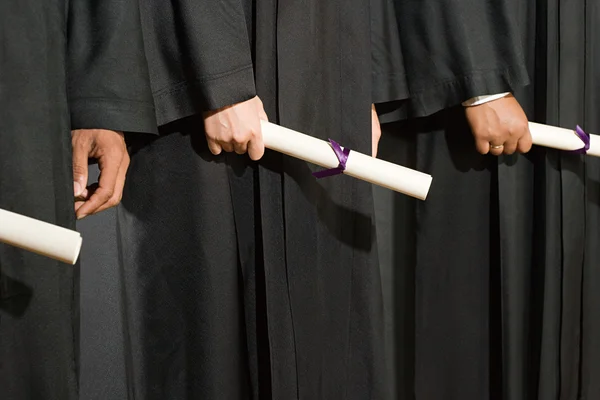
point(478, 100)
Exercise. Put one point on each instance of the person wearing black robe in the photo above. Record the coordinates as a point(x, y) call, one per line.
point(562, 297)
point(543, 286)
point(254, 280)
point(64, 65)
point(457, 264)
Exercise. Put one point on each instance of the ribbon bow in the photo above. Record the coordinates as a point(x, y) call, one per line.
point(585, 138)
point(342, 156)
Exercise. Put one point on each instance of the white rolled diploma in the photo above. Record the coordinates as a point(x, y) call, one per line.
point(39, 237)
point(561, 139)
point(316, 151)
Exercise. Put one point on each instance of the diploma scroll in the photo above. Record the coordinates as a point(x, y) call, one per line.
point(39, 237)
point(562, 139)
point(316, 151)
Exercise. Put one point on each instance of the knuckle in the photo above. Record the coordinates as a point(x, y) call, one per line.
point(210, 135)
point(523, 125)
point(492, 133)
point(519, 128)
point(213, 133)
point(525, 147)
point(79, 169)
point(240, 136)
point(108, 194)
point(115, 151)
point(80, 145)
point(114, 201)
point(227, 147)
point(496, 138)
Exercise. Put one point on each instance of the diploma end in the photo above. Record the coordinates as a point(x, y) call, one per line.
point(423, 196)
point(76, 251)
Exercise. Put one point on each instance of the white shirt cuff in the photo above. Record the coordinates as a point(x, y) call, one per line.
point(478, 100)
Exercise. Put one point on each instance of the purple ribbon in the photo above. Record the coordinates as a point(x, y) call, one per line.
point(342, 156)
point(585, 138)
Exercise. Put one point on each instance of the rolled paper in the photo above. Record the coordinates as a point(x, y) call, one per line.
point(39, 237)
point(316, 151)
point(565, 139)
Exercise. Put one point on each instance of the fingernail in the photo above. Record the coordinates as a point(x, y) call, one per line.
point(82, 216)
point(77, 188)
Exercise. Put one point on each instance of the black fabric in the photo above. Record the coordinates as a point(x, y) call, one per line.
point(105, 46)
point(39, 297)
point(443, 310)
point(455, 50)
point(180, 265)
point(249, 280)
point(567, 94)
point(207, 73)
point(102, 372)
point(388, 73)
point(452, 246)
point(493, 276)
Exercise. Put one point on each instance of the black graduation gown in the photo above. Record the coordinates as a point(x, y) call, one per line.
point(543, 290)
point(451, 263)
point(254, 280)
point(566, 359)
point(63, 65)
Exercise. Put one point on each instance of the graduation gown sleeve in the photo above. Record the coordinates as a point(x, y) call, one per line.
point(107, 74)
point(458, 49)
point(388, 74)
point(199, 55)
